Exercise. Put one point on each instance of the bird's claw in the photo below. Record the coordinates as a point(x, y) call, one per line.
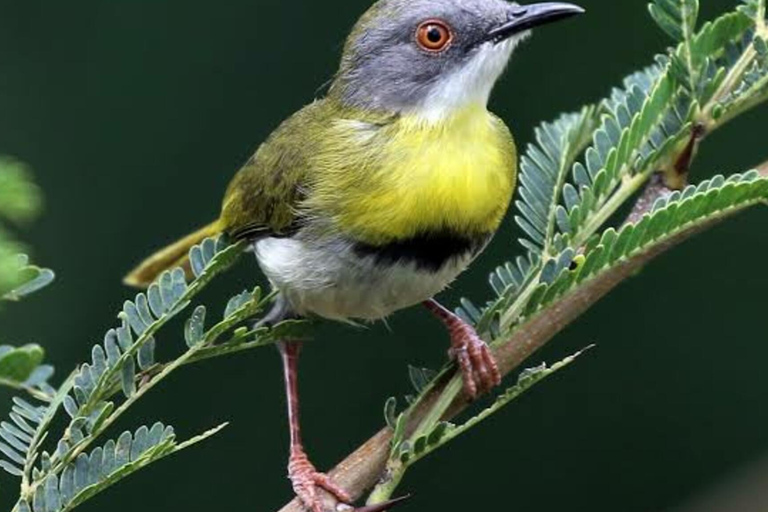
point(479, 370)
point(306, 480)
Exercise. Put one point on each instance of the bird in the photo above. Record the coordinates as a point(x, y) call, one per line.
point(375, 197)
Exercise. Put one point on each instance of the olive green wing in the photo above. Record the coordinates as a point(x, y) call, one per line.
point(263, 197)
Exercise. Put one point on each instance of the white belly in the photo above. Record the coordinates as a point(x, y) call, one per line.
point(330, 280)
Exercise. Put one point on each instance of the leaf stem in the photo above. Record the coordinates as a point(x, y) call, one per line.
point(731, 80)
point(629, 186)
point(32, 391)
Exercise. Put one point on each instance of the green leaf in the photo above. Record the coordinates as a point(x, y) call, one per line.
point(640, 113)
point(128, 377)
point(420, 377)
point(408, 453)
point(439, 432)
point(644, 128)
point(398, 435)
point(27, 430)
point(29, 280)
point(20, 199)
point(693, 207)
point(18, 364)
point(755, 9)
point(194, 329)
point(543, 171)
point(20, 202)
point(515, 278)
point(761, 47)
point(676, 17)
point(115, 460)
point(525, 382)
point(71, 475)
point(237, 302)
point(715, 37)
point(390, 412)
point(738, 68)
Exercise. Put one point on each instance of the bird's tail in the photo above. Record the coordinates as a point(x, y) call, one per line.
point(175, 255)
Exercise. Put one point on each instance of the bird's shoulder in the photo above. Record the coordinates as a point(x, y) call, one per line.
point(262, 197)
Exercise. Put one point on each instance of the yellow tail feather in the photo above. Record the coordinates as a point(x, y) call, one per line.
point(175, 255)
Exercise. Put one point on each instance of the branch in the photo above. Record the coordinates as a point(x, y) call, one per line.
point(364, 467)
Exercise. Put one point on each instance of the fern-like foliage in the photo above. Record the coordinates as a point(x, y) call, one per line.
point(681, 211)
point(21, 368)
point(753, 8)
point(408, 451)
point(645, 118)
point(644, 122)
point(104, 466)
point(676, 17)
point(583, 168)
point(121, 370)
point(18, 436)
point(543, 171)
point(651, 124)
point(28, 279)
point(639, 122)
point(19, 203)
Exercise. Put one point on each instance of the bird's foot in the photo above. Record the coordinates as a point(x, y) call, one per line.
point(479, 370)
point(307, 480)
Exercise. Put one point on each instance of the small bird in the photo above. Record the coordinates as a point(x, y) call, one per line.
point(376, 197)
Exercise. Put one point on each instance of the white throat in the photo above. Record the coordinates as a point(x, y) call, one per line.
point(470, 85)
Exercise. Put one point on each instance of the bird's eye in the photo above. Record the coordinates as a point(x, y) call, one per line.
point(434, 36)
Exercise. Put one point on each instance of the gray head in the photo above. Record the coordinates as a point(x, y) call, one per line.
point(428, 57)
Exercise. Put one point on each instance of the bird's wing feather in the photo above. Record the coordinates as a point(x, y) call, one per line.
point(263, 196)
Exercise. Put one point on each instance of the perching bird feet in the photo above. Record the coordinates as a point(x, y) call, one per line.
point(478, 367)
point(479, 370)
point(307, 480)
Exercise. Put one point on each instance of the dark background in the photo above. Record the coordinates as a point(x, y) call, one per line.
point(134, 115)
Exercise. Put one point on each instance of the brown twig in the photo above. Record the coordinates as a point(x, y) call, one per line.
point(363, 468)
point(665, 182)
point(655, 190)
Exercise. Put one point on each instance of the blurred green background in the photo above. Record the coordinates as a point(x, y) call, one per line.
point(134, 116)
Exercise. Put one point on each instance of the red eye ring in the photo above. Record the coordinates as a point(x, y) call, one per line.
point(434, 36)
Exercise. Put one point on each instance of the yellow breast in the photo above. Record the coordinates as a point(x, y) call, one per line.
point(381, 184)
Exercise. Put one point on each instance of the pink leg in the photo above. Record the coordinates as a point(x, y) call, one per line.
point(478, 367)
point(305, 478)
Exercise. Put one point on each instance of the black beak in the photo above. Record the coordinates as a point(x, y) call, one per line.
point(525, 17)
